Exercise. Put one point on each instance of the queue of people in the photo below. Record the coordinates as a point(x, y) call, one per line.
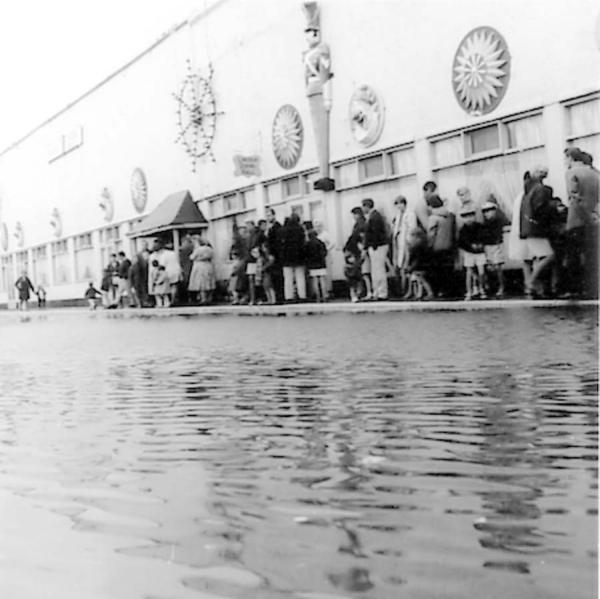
point(430, 248)
point(157, 277)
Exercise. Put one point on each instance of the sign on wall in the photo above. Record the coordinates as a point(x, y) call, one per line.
point(246, 166)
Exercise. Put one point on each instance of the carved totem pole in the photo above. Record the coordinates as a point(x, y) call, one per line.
point(317, 78)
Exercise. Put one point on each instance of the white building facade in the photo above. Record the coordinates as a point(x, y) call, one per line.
point(474, 96)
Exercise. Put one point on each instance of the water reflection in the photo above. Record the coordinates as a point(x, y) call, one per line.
point(346, 458)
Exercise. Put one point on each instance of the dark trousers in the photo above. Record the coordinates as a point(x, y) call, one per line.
point(441, 272)
point(590, 261)
point(277, 279)
point(575, 246)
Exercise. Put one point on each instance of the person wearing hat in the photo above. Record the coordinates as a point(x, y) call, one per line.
point(470, 242)
point(441, 235)
point(493, 224)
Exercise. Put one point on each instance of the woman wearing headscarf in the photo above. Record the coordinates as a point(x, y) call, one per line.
point(202, 276)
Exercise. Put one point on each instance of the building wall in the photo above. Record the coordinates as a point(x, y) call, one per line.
point(404, 49)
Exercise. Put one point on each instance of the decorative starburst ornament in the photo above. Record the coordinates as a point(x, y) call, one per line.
point(481, 71)
point(288, 136)
point(196, 115)
point(139, 189)
point(4, 237)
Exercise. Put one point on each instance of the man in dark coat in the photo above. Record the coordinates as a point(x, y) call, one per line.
point(293, 257)
point(376, 242)
point(274, 244)
point(138, 279)
point(582, 224)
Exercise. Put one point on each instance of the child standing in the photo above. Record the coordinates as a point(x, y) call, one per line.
point(470, 242)
point(493, 237)
point(365, 269)
point(161, 286)
point(41, 295)
point(419, 262)
point(267, 262)
point(236, 279)
point(353, 274)
point(92, 295)
point(316, 261)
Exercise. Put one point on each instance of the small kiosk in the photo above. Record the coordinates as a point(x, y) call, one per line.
point(177, 215)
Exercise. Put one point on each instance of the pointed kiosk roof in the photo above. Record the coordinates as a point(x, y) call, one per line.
point(176, 211)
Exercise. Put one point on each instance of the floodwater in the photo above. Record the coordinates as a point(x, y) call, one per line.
point(381, 456)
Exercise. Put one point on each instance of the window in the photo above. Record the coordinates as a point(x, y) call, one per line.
point(273, 193)
point(584, 126)
point(60, 248)
point(290, 187)
point(7, 281)
point(83, 241)
point(110, 243)
point(84, 257)
point(308, 182)
point(229, 202)
point(247, 199)
point(39, 258)
point(346, 175)
point(480, 141)
point(110, 234)
point(448, 151)
point(371, 168)
point(525, 133)
point(402, 162)
point(22, 261)
point(60, 262)
point(584, 118)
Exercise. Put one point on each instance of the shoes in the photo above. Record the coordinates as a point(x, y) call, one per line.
point(483, 295)
point(468, 297)
point(499, 295)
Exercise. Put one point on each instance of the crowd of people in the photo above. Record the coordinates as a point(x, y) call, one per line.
point(431, 248)
point(158, 276)
point(435, 248)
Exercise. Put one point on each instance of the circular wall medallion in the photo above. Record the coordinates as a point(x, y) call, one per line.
point(287, 136)
point(4, 237)
point(56, 222)
point(19, 234)
point(139, 189)
point(481, 70)
point(366, 113)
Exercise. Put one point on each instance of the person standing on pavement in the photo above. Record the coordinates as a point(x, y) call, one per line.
point(24, 286)
point(582, 224)
point(124, 292)
point(376, 243)
point(274, 245)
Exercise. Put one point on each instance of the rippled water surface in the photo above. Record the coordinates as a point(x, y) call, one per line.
point(386, 456)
